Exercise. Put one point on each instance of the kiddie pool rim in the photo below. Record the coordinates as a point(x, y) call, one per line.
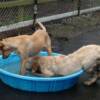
point(75, 74)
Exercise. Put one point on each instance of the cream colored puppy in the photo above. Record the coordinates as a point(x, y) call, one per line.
point(85, 57)
point(27, 45)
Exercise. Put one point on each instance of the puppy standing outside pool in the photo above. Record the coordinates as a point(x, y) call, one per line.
point(85, 57)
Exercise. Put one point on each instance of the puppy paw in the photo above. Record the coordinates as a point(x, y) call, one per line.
point(90, 81)
point(87, 83)
point(23, 72)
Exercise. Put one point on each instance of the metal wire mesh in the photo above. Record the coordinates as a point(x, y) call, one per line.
point(14, 11)
point(10, 15)
point(89, 3)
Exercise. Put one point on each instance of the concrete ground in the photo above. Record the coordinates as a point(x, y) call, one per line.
point(78, 92)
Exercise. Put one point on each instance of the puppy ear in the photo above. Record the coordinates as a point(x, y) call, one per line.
point(1, 45)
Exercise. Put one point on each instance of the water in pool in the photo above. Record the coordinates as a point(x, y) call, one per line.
point(11, 64)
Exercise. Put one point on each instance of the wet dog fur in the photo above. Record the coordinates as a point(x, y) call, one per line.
point(26, 45)
point(94, 74)
point(86, 57)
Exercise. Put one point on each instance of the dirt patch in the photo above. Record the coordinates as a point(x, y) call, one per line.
point(71, 27)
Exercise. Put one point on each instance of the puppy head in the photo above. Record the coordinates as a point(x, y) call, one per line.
point(35, 63)
point(1, 45)
point(5, 50)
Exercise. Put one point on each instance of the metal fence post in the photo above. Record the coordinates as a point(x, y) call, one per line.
point(35, 13)
point(79, 7)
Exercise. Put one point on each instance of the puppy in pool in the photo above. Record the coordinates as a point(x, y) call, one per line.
point(86, 57)
point(27, 45)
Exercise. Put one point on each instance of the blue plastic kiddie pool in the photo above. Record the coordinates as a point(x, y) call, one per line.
point(9, 69)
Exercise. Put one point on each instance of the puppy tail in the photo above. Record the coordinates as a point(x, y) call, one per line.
point(41, 26)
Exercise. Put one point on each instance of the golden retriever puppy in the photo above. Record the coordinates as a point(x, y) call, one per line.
point(85, 57)
point(27, 45)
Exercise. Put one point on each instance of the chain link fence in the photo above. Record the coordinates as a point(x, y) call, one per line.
point(15, 14)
